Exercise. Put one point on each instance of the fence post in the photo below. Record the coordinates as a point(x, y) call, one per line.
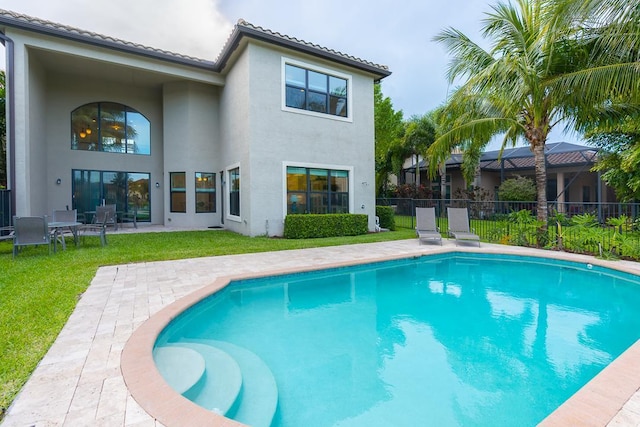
point(413, 213)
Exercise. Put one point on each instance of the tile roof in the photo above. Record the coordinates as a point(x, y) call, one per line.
point(241, 29)
point(19, 20)
point(558, 154)
point(245, 28)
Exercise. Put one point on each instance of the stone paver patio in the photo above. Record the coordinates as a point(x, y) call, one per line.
point(79, 381)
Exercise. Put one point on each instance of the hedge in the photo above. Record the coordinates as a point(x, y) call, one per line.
point(305, 226)
point(387, 217)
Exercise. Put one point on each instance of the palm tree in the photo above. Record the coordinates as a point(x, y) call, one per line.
point(550, 61)
point(419, 134)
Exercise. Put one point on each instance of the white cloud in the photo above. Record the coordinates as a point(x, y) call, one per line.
point(191, 27)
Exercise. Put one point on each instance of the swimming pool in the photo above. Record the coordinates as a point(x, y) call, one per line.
point(453, 339)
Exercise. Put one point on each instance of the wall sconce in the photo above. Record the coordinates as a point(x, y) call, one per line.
point(58, 181)
point(157, 185)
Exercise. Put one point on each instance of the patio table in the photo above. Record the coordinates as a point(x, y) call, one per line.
point(59, 226)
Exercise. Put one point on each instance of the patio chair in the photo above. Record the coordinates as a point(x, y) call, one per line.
point(112, 218)
point(69, 216)
point(30, 231)
point(98, 227)
point(459, 225)
point(426, 228)
point(6, 233)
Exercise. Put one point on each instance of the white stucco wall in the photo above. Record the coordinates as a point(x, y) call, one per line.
point(68, 92)
point(271, 137)
point(235, 124)
point(191, 144)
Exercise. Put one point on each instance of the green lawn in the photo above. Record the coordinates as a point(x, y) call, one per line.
point(38, 292)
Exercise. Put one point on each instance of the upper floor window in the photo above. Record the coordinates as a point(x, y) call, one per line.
point(111, 127)
point(316, 91)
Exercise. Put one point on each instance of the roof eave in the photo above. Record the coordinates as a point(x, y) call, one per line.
point(64, 34)
point(241, 31)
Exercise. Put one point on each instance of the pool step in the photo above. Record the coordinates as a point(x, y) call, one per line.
point(181, 367)
point(221, 383)
point(222, 377)
point(258, 400)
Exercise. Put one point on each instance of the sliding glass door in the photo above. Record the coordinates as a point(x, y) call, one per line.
point(129, 191)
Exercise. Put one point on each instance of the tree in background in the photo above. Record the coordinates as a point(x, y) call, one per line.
point(619, 156)
point(549, 62)
point(419, 134)
point(518, 189)
point(3, 132)
point(388, 131)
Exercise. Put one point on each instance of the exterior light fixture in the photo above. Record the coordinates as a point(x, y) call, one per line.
point(157, 185)
point(58, 181)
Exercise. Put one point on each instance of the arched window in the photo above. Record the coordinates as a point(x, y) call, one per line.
point(111, 127)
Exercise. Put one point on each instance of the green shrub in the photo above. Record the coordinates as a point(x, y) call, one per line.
point(305, 226)
point(518, 189)
point(387, 217)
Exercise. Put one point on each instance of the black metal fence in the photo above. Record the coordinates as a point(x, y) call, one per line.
point(605, 229)
point(5, 208)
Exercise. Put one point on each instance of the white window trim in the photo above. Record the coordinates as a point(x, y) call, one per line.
point(227, 193)
point(347, 77)
point(349, 169)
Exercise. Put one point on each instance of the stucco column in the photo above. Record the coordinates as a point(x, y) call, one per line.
point(560, 191)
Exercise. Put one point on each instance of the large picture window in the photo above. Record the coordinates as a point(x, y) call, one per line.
point(205, 192)
point(178, 190)
point(110, 127)
point(312, 90)
point(234, 191)
point(318, 191)
point(129, 191)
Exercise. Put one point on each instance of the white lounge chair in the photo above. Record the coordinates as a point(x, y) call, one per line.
point(426, 227)
point(459, 225)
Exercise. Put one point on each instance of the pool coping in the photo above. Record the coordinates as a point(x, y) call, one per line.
point(596, 404)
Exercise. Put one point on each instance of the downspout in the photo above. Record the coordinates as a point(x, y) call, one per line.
point(11, 119)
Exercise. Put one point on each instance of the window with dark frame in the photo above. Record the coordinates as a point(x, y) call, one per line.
point(318, 191)
point(110, 127)
point(178, 192)
point(315, 91)
point(234, 191)
point(129, 191)
point(205, 192)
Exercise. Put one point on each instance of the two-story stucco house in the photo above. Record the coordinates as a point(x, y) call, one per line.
point(273, 126)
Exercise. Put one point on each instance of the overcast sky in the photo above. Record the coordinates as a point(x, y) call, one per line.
point(398, 35)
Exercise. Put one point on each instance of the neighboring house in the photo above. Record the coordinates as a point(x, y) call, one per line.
point(569, 176)
point(273, 126)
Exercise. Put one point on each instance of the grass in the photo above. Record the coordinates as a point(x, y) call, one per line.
point(38, 292)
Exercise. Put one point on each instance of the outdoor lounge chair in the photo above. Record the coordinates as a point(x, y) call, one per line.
point(30, 231)
point(459, 225)
point(426, 227)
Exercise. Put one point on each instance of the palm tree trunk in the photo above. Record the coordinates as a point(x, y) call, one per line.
point(417, 171)
point(541, 186)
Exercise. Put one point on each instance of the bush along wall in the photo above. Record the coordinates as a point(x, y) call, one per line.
point(305, 226)
point(387, 217)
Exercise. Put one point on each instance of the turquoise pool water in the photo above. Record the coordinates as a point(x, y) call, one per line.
point(446, 340)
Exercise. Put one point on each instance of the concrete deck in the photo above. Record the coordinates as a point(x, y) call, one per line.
point(79, 382)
